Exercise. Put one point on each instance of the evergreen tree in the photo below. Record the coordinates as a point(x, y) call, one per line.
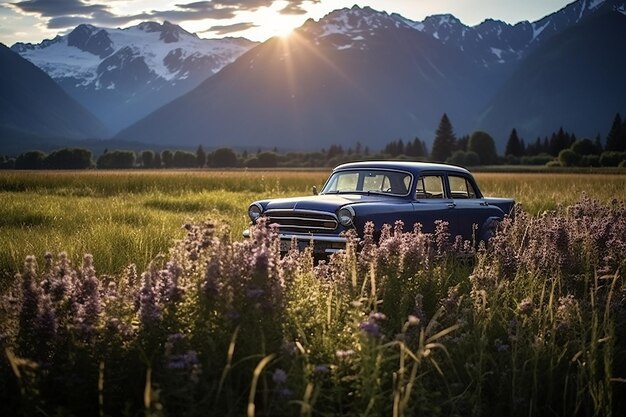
point(200, 156)
point(616, 139)
point(559, 141)
point(513, 145)
point(157, 160)
point(462, 143)
point(483, 144)
point(445, 140)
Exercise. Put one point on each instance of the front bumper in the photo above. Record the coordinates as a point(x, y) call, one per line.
point(321, 243)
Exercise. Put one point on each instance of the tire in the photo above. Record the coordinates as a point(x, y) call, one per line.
point(489, 228)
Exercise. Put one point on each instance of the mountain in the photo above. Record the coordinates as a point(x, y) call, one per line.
point(362, 75)
point(121, 75)
point(575, 80)
point(494, 42)
point(356, 75)
point(33, 107)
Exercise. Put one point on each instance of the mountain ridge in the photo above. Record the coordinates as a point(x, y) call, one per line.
point(121, 75)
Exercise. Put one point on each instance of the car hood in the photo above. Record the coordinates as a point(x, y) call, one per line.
point(325, 202)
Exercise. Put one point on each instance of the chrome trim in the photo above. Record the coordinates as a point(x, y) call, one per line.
point(297, 210)
point(311, 219)
point(314, 238)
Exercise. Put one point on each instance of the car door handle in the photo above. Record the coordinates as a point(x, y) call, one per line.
point(451, 205)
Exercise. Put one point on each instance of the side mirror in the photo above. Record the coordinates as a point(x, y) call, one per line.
point(314, 190)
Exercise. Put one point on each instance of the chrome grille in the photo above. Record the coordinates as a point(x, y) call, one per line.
point(302, 221)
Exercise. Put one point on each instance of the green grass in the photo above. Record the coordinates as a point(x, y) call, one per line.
point(131, 216)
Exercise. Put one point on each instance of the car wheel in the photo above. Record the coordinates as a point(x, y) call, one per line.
point(489, 228)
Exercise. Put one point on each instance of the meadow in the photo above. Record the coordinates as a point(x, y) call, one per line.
point(171, 313)
point(124, 217)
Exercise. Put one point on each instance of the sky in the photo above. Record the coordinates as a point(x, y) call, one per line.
point(35, 20)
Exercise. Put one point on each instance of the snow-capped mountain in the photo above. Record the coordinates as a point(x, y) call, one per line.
point(362, 75)
point(496, 42)
point(122, 75)
point(355, 75)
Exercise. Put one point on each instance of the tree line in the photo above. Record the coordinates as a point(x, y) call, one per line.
point(561, 148)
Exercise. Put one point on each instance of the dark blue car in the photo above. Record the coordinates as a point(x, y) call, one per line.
point(383, 192)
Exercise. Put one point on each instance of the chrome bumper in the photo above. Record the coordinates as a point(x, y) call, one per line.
point(320, 243)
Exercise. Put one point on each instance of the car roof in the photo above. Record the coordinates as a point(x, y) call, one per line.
point(413, 167)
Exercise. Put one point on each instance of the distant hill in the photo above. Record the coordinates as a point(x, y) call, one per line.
point(33, 106)
point(121, 75)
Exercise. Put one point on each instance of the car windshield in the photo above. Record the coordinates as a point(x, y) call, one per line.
point(371, 181)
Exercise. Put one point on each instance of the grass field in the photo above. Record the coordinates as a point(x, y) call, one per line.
point(534, 324)
point(131, 216)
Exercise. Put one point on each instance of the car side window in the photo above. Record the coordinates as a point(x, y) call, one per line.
point(460, 187)
point(429, 186)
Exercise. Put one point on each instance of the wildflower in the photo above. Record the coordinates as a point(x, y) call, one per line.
point(378, 316)
point(279, 377)
point(525, 307)
point(371, 328)
point(344, 354)
point(500, 346)
point(413, 320)
point(321, 369)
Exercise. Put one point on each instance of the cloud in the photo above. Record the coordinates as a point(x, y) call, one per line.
point(54, 8)
point(62, 14)
point(228, 29)
point(294, 7)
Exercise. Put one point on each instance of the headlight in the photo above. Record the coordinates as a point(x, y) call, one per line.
point(255, 211)
point(345, 216)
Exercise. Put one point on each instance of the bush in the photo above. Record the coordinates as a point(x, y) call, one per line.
point(585, 147)
point(541, 159)
point(612, 158)
point(30, 160)
point(116, 160)
point(463, 158)
point(69, 158)
point(182, 159)
point(568, 158)
point(483, 144)
point(222, 158)
point(590, 161)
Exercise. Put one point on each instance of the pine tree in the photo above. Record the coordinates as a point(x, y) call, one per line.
point(200, 156)
point(513, 145)
point(445, 140)
point(616, 139)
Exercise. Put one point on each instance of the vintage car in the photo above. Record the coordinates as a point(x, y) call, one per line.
point(383, 192)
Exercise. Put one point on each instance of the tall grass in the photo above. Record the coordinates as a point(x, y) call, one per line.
point(131, 216)
point(414, 324)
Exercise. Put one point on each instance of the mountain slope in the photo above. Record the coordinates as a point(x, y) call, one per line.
point(32, 105)
point(356, 75)
point(121, 75)
point(575, 80)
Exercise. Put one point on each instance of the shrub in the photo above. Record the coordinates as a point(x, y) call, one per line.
point(612, 158)
point(69, 158)
point(541, 159)
point(568, 158)
point(30, 160)
point(116, 160)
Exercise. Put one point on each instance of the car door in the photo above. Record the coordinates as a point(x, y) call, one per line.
point(431, 201)
point(469, 207)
